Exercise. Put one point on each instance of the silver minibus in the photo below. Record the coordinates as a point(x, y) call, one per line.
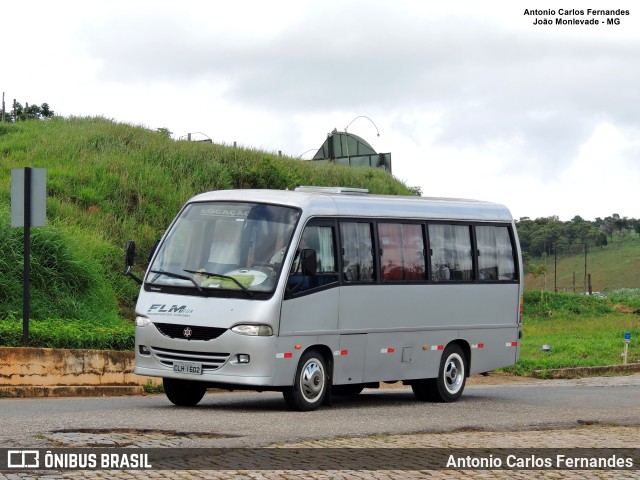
point(326, 291)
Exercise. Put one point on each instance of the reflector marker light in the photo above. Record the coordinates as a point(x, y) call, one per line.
point(477, 345)
point(437, 347)
point(512, 344)
point(388, 350)
point(284, 355)
point(338, 353)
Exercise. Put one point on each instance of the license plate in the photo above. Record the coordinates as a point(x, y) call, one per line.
point(187, 367)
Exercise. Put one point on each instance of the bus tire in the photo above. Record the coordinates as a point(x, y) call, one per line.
point(452, 374)
point(424, 389)
point(310, 384)
point(347, 390)
point(184, 393)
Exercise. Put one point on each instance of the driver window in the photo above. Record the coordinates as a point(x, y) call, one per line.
point(320, 238)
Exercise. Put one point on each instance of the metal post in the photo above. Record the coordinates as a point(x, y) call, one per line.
point(585, 268)
point(27, 257)
point(627, 340)
point(555, 268)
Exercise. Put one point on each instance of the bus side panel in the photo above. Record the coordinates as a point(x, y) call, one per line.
point(368, 307)
point(426, 318)
point(492, 348)
point(313, 313)
point(349, 360)
point(405, 355)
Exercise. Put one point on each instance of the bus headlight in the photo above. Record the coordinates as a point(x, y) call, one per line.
point(253, 330)
point(142, 321)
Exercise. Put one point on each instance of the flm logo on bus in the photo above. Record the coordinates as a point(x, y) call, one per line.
point(161, 309)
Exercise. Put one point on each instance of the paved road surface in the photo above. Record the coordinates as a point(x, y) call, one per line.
point(595, 412)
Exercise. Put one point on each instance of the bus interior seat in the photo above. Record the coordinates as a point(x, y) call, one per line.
point(223, 257)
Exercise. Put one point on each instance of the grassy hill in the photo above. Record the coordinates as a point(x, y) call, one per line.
point(108, 182)
point(612, 267)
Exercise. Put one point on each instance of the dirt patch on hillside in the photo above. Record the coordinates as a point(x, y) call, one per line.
point(619, 307)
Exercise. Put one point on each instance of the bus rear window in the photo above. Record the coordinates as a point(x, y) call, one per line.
point(495, 254)
point(451, 258)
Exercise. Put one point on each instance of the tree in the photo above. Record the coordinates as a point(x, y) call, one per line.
point(601, 240)
point(46, 111)
point(549, 234)
point(537, 270)
point(29, 112)
point(165, 132)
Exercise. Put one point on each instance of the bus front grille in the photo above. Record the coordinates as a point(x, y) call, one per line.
point(209, 360)
point(194, 332)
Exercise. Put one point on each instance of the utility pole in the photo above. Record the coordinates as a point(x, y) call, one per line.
point(585, 267)
point(555, 268)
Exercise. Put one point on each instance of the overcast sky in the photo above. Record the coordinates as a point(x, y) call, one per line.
point(473, 101)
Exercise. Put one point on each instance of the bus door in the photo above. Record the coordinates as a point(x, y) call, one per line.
point(311, 302)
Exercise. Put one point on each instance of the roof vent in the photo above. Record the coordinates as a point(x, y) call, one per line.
point(343, 190)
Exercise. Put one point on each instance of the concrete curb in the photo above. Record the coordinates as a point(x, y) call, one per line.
point(566, 373)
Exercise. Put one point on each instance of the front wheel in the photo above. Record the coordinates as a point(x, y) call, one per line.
point(310, 384)
point(184, 393)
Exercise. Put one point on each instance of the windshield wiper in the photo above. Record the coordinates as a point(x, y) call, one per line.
point(218, 275)
point(177, 275)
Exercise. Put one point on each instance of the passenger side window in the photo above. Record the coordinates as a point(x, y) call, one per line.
point(401, 252)
point(357, 252)
point(451, 255)
point(495, 254)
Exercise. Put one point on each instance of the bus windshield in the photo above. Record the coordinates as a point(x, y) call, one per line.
point(226, 246)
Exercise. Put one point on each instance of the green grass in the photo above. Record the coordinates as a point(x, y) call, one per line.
point(68, 278)
point(582, 332)
point(64, 333)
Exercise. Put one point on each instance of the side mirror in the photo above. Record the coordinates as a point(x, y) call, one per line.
point(129, 258)
point(309, 262)
point(129, 253)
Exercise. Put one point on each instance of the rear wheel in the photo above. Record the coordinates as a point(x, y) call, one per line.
point(452, 376)
point(184, 393)
point(310, 385)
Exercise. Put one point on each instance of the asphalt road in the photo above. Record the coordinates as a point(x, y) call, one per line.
point(256, 419)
